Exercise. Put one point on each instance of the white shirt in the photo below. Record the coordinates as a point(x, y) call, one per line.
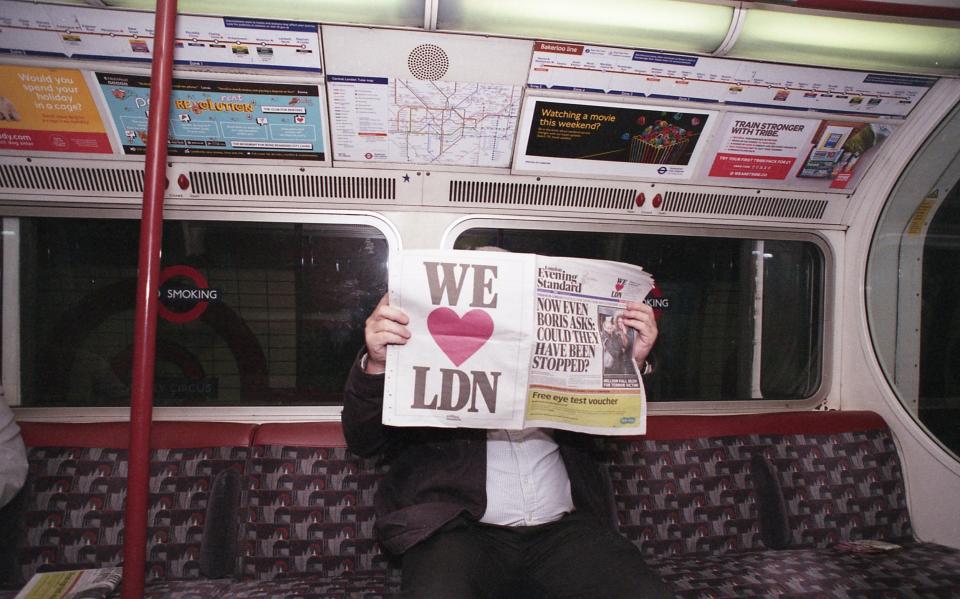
point(13, 456)
point(527, 482)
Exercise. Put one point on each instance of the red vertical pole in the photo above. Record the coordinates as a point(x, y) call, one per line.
point(145, 323)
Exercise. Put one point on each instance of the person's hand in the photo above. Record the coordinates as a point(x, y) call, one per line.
point(385, 326)
point(639, 317)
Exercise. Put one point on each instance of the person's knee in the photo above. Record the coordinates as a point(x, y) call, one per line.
point(645, 584)
point(582, 559)
point(452, 564)
point(447, 583)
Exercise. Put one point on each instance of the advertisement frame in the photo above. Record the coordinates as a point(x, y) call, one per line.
point(650, 163)
point(47, 95)
point(117, 136)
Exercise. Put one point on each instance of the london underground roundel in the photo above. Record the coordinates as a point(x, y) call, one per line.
point(181, 303)
point(657, 301)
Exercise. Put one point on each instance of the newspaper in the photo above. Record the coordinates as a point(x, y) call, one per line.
point(512, 341)
point(97, 583)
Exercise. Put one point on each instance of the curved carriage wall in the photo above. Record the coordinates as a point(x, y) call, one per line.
point(932, 473)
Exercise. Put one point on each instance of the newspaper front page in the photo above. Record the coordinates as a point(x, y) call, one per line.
point(96, 583)
point(511, 341)
point(583, 376)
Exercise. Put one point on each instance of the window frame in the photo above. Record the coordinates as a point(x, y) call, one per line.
point(258, 413)
point(818, 399)
point(892, 304)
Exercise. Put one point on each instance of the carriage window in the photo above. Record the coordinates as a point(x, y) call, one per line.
point(725, 308)
point(250, 313)
point(913, 294)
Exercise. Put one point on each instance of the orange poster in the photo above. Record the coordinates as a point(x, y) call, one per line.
point(49, 110)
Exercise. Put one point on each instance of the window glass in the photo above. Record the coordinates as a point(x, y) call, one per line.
point(912, 288)
point(724, 305)
point(939, 384)
point(250, 313)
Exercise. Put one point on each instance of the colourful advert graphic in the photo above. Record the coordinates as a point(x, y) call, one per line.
point(840, 148)
point(614, 134)
point(49, 110)
point(221, 118)
point(602, 138)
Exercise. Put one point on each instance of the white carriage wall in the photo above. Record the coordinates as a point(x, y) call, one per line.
point(932, 474)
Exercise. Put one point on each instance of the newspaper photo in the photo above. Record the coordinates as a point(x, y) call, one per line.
point(96, 583)
point(512, 341)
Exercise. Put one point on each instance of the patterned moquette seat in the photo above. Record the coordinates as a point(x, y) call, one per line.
point(76, 491)
point(686, 497)
point(309, 518)
point(756, 512)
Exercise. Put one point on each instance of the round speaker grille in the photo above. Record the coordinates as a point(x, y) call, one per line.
point(428, 62)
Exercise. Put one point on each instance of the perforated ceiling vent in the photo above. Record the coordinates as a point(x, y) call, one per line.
point(536, 194)
point(744, 205)
point(63, 178)
point(623, 199)
point(300, 186)
point(428, 62)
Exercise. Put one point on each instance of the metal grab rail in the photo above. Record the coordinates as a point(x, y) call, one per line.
point(145, 321)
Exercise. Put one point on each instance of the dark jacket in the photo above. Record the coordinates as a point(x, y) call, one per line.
point(438, 474)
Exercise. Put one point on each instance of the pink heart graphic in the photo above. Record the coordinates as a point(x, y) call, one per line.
point(458, 337)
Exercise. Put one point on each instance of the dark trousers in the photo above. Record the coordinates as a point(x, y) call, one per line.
point(11, 530)
point(574, 557)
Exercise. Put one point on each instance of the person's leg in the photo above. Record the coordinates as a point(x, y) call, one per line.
point(11, 533)
point(466, 562)
point(578, 557)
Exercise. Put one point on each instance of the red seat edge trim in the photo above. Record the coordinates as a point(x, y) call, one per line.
point(166, 434)
point(659, 427)
point(301, 434)
point(666, 427)
point(115, 435)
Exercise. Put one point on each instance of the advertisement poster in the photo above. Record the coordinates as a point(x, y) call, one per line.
point(761, 147)
point(222, 118)
point(49, 110)
point(512, 341)
point(842, 150)
point(664, 76)
point(604, 138)
point(88, 33)
point(808, 154)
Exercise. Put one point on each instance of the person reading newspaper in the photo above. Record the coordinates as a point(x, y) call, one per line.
point(485, 514)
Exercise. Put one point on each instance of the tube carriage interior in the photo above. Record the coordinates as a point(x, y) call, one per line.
point(787, 171)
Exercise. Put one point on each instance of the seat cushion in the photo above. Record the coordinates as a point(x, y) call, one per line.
point(183, 589)
point(310, 512)
point(76, 492)
point(688, 496)
point(361, 584)
point(916, 570)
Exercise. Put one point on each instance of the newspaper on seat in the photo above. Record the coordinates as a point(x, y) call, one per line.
point(96, 583)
